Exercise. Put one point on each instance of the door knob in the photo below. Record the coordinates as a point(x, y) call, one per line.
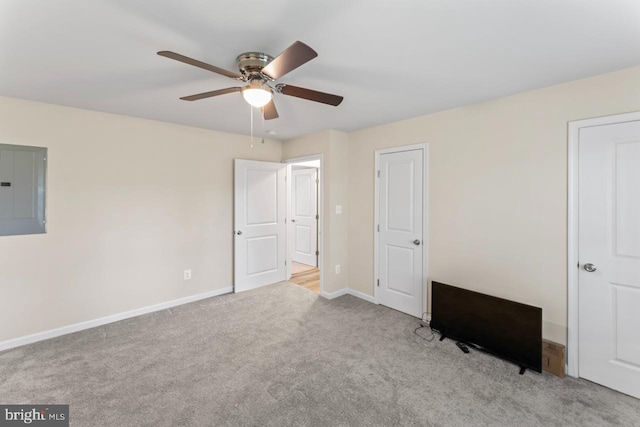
point(293, 220)
point(239, 233)
point(590, 267)
point(416, 242)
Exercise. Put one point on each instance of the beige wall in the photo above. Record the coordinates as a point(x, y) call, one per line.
point(131, 204)
point(498, 190)
point(333, 146)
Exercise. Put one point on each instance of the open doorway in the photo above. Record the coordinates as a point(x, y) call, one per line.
point(304, 194)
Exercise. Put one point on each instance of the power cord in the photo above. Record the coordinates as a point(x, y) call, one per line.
point(424, 322)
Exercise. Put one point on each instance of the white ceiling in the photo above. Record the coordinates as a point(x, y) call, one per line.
point(390, 59)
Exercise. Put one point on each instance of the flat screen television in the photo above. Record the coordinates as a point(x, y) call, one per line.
point(507, 329)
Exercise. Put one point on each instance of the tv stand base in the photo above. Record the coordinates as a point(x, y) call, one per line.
point(443, 336)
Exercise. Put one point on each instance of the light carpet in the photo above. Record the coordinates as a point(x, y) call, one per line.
point(281, 355)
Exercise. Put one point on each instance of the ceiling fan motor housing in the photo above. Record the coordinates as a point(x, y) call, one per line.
point(251, 64)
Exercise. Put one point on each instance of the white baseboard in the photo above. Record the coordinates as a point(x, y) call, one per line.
point(361, 295)
point(336, 294)
point(345, 291)
point(52, 333)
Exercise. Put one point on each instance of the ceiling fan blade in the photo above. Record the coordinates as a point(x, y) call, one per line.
point(293, 57)
point(210, 94)
point(311, 95)
point(269, 111)
point(196, 63)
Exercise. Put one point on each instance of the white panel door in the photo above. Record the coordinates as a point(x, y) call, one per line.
point(400, 245)
point(260, 230)
point(304, 223)
point(609, 253)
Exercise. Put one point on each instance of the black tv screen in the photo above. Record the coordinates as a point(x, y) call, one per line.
point(507, 329)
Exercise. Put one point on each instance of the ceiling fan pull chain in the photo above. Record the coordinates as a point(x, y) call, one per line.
point(251, 111)
point(262, 128)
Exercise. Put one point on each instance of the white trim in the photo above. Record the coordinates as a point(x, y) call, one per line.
point(425, 229)
point(401, 148)
point(300, 159)
point(572, 250)
point(348, 291)
point(321, 247)
point(376, 220)
point(64, 330)
point(336, 294)
point(425, 216)
point(573, 232)
point(361, 295)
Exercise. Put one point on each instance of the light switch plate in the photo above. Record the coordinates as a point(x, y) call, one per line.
point(338, 209)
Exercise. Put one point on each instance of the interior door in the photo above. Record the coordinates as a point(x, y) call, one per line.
point(304, 211)
point(260, 230)
point(609, 253)
point(400, 239)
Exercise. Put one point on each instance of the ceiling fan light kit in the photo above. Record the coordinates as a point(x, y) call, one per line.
point(257, 94)
point(258, 70)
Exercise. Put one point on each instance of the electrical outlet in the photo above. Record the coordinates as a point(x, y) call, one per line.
point(338, 269)
point(187, 275)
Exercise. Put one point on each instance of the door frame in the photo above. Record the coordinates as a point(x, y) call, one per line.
point(320, 208)
point(573, 324)
point(425, 216)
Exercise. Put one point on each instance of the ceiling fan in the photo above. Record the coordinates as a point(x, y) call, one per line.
point(260, 71)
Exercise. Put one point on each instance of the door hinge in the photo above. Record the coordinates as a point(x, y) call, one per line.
point(317, 181)
point(285, 262)
point(285, 220)
point(317, 216)
point(378, 228)
point(317, 253)
point(378, 282)
point(378, 174)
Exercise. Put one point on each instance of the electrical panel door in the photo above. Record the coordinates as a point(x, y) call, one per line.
point(22, 189)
